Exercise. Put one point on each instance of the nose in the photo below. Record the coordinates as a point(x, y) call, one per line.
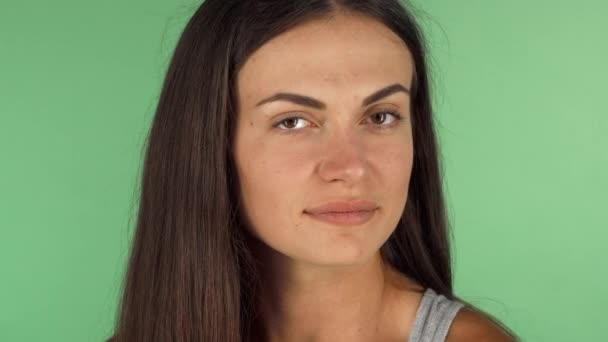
point(342, 159)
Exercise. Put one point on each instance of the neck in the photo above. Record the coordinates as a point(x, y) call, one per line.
point(305, 302)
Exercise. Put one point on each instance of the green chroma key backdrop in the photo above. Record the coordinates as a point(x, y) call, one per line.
point(519, 90)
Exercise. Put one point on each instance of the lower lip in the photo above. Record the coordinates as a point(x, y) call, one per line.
point(345, 219)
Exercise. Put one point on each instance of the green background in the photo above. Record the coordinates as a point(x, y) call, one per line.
point(520, 95)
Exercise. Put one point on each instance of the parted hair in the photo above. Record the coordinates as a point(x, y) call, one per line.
point(191, 276)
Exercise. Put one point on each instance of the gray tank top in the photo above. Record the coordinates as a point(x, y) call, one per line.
point(433, 317)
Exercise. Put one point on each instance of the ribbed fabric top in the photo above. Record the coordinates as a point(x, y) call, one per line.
point(433, 317)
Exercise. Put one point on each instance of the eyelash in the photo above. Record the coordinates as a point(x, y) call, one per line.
point(396, 115)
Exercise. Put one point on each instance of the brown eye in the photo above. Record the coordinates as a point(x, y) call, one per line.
point(379, 118)
point(289, 123)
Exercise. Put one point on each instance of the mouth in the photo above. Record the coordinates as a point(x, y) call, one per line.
point(344, 206)
point(344, 218)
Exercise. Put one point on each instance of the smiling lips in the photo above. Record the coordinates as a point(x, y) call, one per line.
point(353, 212)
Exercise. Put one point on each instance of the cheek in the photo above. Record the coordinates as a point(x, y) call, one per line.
point(274, 168)
point(272, 179)
point(392, 165)
point(398, 162)
point(392, 158)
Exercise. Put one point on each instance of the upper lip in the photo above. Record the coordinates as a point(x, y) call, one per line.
point(343, 207)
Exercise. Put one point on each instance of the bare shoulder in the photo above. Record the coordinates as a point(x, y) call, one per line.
point(472, 326)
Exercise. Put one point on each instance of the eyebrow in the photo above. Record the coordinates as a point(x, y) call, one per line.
point(314, 103)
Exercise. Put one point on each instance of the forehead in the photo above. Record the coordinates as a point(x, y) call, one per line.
point(351, 54)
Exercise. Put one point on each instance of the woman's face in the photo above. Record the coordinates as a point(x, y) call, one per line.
point(291, 157)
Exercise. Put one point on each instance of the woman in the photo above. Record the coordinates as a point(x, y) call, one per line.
point(291, 187)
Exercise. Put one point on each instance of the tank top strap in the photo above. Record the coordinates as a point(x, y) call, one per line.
point(433, 317)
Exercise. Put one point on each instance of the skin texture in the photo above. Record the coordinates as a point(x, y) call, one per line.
point(331, 154)
point(324, 282)
point(471, 326)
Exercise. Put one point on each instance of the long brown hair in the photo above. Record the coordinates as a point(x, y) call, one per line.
point(191, 275)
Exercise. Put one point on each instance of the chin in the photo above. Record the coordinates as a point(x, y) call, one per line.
point(343, 255)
